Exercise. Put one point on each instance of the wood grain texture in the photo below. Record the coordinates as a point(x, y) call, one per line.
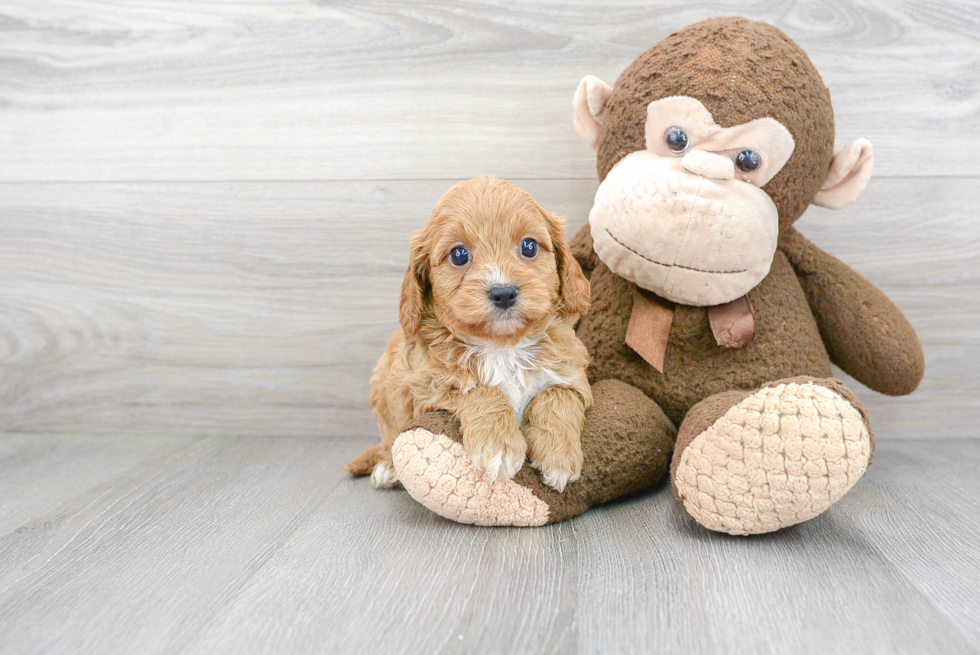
point(260, 308)
point(263, 545)
point(142, 559)
point(937, 532)
point(40, 473)
point(178, 90)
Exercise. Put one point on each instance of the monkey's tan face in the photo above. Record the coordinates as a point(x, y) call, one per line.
point(686, 218)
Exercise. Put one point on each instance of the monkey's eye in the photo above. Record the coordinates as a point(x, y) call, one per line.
point(459, 256)
point(529, 248)
point(676, 139)
point(748, 160)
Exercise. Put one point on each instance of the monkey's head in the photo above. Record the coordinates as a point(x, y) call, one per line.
point(710, 143)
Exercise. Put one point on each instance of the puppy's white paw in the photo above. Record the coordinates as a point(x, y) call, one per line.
point(384, 476)
point(496, 445)
point(499, 453)
point(497, 463)
point(511, 464)
point(557, 455)
point(558, 478)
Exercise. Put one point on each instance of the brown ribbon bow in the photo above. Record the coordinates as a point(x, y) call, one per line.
point(649, 329)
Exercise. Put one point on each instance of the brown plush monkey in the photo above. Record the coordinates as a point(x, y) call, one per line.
point(713, 321)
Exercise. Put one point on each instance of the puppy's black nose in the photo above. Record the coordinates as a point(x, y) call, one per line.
point(503, 295)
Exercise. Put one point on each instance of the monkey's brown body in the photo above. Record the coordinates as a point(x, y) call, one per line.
point(787, 342)
point(710, 146)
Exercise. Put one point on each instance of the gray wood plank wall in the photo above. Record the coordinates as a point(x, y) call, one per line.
point(204, 207)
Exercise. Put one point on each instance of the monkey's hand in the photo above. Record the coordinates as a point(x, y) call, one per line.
point(865, 333)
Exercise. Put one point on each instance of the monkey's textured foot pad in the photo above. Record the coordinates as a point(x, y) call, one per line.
point(779, 457)
point(439, 473)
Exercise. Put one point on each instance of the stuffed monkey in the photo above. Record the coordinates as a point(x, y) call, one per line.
point(713, 322)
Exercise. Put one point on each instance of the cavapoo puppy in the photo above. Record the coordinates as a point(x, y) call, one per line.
point(488, 309)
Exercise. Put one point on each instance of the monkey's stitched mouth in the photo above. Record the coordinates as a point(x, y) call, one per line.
point(654, 261)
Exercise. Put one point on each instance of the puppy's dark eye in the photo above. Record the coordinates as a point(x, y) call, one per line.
point(459, 256)
point(676, 139)
point(747, 160)
point(529, 248)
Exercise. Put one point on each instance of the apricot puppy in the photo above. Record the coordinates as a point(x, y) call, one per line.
point(488, 308)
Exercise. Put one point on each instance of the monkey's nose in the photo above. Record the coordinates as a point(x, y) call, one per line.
point(708, 164)
point(503, 295)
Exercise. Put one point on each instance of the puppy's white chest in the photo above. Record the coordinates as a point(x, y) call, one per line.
point(516, 373)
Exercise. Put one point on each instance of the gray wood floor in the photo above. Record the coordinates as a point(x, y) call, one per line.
point(261, 544)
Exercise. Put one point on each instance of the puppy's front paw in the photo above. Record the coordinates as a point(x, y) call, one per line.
point(557, 455)
point(496, 446)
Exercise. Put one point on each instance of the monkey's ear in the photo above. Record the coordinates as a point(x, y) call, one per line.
point(415, 286)
point(849, 174)
point(588, 107)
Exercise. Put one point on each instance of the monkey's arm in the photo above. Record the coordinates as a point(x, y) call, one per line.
point(582, 250)
point(865, 333)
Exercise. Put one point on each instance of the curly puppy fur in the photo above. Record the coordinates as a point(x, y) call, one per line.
point(515, 377)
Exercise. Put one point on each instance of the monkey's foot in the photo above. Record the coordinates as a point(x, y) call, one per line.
point(626, 443)
point(754, 462)
point(438, 472)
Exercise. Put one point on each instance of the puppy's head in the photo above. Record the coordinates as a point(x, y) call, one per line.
point(492, 264)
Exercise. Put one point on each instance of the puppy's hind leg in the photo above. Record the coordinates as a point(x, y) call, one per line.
point(383, 474)
point(364, 463)
point(376, 462)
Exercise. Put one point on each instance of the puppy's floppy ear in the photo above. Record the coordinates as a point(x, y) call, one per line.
point(415, 286)
point(573, 291)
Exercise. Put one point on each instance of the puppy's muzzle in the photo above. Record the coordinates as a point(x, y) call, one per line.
point(503, 295)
